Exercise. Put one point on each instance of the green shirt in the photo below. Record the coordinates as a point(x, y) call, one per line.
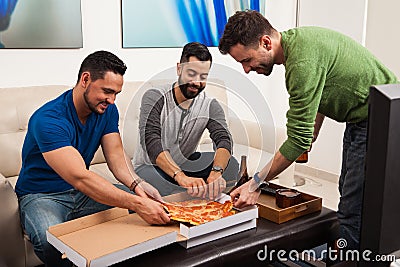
point(326, 72)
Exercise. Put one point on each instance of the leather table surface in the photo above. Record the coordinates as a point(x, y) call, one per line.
point(241, 249)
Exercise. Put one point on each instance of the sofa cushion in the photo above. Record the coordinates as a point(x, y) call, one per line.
point(15, 113)
point(11, 238)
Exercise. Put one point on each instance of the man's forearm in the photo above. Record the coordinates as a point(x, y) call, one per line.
point(222, 156)
point(122, 169)
point(117, 160)
point(319, 119)
point(165, 162)
point(278, 165)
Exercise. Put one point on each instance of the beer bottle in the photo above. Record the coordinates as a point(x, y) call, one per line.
point(243, 176)
point(303, 158)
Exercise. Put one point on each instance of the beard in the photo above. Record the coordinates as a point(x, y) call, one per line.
point(90, 105)
point(189, 94)
point(266, 69)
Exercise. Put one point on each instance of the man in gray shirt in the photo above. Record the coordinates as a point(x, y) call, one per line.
point(172, 121)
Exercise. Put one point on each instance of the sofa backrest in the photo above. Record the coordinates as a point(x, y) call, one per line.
point(21, 102)
point(18, 105)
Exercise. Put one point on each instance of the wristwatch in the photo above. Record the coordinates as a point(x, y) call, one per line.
point(217, 169)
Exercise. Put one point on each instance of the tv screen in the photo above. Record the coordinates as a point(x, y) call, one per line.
point(381, 210)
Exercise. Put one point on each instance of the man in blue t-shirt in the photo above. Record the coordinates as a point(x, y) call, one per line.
point(55, 184)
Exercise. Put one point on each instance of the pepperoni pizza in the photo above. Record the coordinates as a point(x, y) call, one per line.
point(198, 211)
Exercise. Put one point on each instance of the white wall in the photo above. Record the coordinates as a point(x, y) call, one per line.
point(382, 37)
point(101, 25)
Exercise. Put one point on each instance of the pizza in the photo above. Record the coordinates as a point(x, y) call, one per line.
point(198, 211)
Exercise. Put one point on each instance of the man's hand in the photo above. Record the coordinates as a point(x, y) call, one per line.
point(215, 185)
point(151, 211)
point(145, 189)
point(242, 197)
point(195, 186)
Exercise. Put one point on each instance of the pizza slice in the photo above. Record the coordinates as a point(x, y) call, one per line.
point(199, 211)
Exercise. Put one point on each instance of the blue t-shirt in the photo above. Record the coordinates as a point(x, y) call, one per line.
point(55, 125)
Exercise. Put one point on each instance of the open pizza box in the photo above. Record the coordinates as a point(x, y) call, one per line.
point(195, 235)
point(114, 235)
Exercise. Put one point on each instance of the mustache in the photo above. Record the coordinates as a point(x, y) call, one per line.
point(193, 85)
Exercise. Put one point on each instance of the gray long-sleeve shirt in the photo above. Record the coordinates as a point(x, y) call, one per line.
point(165, 126)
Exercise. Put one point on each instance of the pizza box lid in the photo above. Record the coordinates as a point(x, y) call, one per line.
point(109, 237)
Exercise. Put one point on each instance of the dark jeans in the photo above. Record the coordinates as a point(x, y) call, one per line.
point(198, 165)
point(351, 183)
point(40, 211)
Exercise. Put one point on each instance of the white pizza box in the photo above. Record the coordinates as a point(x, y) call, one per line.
point(244, 219)
point(108, 237)
point(223, 232)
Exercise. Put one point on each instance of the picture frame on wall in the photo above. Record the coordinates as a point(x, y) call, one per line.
point(173, 23)
point(40, 24)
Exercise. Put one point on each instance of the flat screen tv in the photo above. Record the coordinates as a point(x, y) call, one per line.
point(380, 225)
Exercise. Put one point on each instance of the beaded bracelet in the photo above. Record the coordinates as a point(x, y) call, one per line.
point(135, 183)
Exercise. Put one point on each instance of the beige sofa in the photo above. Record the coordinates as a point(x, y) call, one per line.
point(19, 103)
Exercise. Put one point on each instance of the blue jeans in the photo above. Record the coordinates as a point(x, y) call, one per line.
point(198, 165)
point(40, 211)
point(351, 182)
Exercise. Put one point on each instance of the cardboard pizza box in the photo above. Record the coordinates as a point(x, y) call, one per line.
point(243, 220)
point(109, 237)
point(269, 210)
point(201, 234)
point(114, 235)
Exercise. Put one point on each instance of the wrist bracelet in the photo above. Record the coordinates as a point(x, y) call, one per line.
point(175, 173)
point(134, 184)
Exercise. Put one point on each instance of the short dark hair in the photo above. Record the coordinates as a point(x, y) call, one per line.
point(100, 62)
point(197, 50)
point(246, 28)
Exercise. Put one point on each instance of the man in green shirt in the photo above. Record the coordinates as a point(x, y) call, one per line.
point(327, 74)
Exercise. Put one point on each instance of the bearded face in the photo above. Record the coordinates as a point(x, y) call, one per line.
point(101, 93)
point(97, 107)
point(193, 77)
point(190, 90)
point(264, 68)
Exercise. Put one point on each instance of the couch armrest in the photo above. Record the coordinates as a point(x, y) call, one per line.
point(12, 248)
